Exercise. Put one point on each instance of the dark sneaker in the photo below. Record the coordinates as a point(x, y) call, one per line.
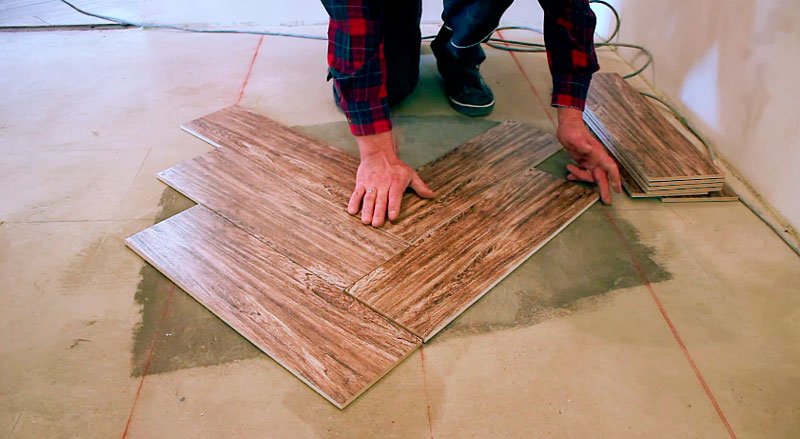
point(468, 93)
point(465, 89)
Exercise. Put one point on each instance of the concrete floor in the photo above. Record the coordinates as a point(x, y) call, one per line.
point(640, 320)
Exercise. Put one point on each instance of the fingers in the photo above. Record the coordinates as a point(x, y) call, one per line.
point(602, 181)
point(609, 166)
point(595, 166)
point(420, 187)
point(395, 199)
point(368, 206)
point(613, 176)
point(380, 198)
point(379, 215)
point(355, 199)
point(580, 174)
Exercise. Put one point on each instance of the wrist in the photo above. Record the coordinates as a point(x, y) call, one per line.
point(569, 114)
point(381, 144)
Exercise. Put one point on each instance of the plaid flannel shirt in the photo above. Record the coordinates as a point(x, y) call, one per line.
point(358, 67)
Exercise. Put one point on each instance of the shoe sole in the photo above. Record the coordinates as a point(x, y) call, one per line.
point(471, 110)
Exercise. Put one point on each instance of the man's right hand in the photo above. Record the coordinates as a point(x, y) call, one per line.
point(381, 180)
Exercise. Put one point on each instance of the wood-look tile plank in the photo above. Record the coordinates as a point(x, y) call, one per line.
point(640, 136)
point(332, 342)
point(726, 194)
point(312, 231)
point(445, 271)
point(706, 186)
point(323, 169)
point(457, 177)
point(635, 191)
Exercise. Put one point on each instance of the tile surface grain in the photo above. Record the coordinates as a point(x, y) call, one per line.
point(327, 171)
point(328, 339)
point(434, 280)
point(460, 175)
point(290, 212)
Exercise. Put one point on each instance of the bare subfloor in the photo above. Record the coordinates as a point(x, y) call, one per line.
point(640, 320)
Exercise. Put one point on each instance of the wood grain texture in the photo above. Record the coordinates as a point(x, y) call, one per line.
point(325, 337)
point(640, 137)
point(711, 183)
point(441, 274)
point(458, 176)
point(726, 194)
point(293, 220)
point(322, 169)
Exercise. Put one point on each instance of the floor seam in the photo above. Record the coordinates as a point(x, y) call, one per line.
point(16, 422)
point(379, 312)
point(135, 177)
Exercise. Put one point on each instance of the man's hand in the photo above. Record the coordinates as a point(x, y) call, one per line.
point(594, 163)
point(381, 180)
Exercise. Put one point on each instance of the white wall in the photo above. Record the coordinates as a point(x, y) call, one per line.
point(734, 68)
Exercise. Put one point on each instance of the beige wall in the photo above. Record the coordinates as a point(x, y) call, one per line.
point(733, 66)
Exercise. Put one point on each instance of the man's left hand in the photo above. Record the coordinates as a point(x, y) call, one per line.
point(594, 164)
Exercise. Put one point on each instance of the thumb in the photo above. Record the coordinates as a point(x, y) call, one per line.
point(420, 187)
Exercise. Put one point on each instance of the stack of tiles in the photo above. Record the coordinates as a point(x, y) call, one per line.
point(658, 160)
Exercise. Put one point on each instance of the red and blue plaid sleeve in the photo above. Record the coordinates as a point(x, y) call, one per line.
point(569, 36)
point(356, 64)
